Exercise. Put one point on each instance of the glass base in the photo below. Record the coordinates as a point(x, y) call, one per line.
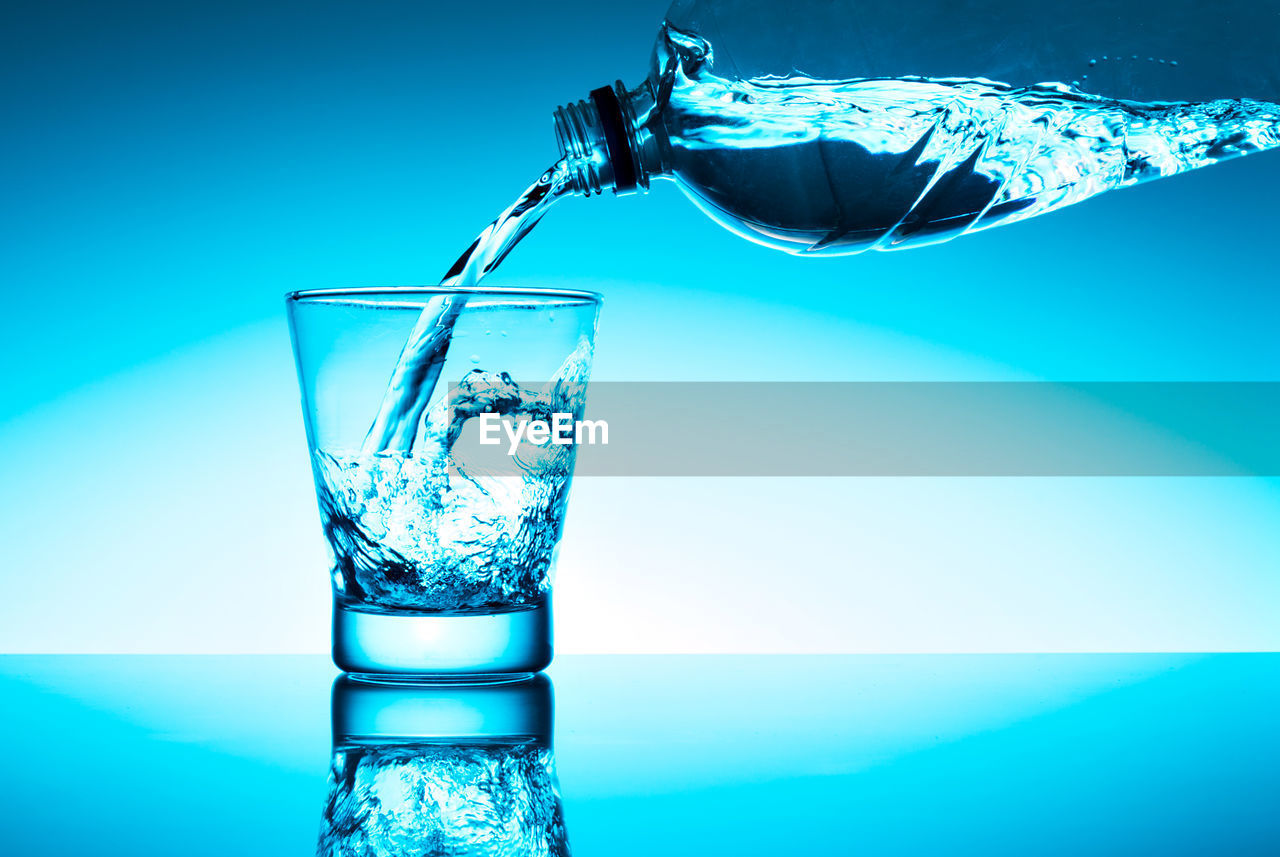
point(417, 647)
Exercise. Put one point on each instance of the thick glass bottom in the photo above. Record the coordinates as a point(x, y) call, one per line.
point(437, 649)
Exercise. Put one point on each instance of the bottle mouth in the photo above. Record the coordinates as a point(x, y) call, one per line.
point(597, 140)
point(578, 138)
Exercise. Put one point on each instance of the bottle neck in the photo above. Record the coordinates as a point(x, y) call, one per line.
point(606, 143)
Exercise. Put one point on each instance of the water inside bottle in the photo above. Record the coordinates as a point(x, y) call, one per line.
point(889, 163)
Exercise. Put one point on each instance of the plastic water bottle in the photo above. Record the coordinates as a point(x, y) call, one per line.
point(823, 127)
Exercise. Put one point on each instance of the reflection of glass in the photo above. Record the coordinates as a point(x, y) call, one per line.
point(456, 770)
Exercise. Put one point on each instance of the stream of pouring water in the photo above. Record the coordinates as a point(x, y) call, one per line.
point(420, 363)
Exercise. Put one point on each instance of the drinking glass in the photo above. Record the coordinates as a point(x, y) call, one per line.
point(442, 545)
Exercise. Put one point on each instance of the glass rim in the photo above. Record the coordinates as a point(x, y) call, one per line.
point(400, 292)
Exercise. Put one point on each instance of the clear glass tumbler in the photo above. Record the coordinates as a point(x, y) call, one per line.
point(442, 558)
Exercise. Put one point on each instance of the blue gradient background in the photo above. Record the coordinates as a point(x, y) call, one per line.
point(169, 170)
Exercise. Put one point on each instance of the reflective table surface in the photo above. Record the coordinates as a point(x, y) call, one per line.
point(661, 755)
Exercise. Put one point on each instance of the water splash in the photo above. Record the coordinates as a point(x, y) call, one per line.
point(437, 532)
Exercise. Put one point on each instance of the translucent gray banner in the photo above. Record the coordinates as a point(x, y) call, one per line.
point(912, 429)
